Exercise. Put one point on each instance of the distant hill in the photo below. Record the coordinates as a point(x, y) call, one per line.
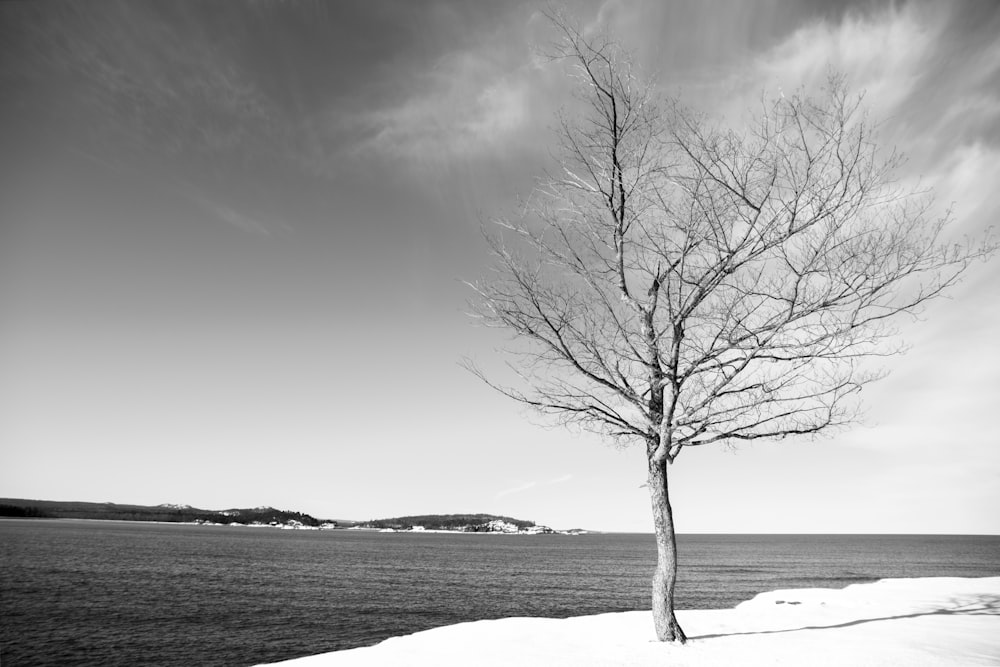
point(460, 522)
point(171, 513)
point(56, 509)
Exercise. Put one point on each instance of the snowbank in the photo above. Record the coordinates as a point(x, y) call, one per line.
point(913, 622)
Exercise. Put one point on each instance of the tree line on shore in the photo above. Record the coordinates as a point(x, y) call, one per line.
point(54, 509)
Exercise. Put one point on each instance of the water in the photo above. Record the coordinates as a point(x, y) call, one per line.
point(110, 593)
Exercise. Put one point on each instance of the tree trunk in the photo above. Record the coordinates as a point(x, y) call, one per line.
point(667, 627)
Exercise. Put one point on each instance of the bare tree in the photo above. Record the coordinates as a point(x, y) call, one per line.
point(678, 284)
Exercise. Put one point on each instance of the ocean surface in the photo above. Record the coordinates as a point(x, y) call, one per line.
point(120, 593)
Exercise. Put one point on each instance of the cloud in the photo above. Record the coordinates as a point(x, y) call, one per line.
point(531, 485)
point(929, 73)
point(882, 52)
point(194, 194)
point(142, 88)
point(138, 74)
point(489, 95)
point(967, 177)
point(923, 68)
point(467, 105)
point(239, 220)
point(516, 489)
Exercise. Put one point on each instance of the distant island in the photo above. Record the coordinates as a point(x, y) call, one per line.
point(464, 523)
point(166, 513)
point(269, 517)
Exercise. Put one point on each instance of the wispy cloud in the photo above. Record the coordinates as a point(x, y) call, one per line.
point(928, 73)
point(153, 79)
point(237, 219)
point(156, 93)
point(516, 489)
point(489, 95)
point(466, 105)
point(533, 484)
point(213, 207)
point(883, 52)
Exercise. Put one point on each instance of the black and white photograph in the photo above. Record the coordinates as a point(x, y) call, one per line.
point(470, 333)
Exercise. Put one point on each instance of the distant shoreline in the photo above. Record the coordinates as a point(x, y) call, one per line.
point(588, 532)
point(306, 528)
point(265, 516)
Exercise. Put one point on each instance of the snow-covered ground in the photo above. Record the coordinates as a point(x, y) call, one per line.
point(914, 622)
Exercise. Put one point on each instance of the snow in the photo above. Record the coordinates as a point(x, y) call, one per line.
point(938, 622)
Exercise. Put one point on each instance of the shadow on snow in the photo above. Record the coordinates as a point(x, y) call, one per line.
point(981, 605)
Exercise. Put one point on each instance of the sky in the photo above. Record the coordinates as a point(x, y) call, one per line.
point(233, 240)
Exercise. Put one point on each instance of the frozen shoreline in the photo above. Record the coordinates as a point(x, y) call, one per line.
point(916, 622)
